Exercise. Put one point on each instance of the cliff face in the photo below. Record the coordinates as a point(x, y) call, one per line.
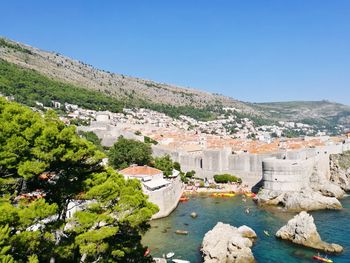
point(340, 170)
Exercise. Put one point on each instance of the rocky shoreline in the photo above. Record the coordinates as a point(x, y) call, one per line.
point(302, 230)
point(228, 244)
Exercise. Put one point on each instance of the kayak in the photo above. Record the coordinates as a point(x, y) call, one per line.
point(170, 255)
point(147, 252)
point(223, 194)
point(184, 199)
point(266, 233)
point(322, 259)
point(249, 194)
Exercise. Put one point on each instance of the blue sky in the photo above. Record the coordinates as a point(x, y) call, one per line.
point(252, 50)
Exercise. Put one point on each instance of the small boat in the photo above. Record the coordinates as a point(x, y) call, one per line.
point(223, 194)
point(229, 194)
point(181, 232)
point(322, 259)
point(147, 252)
point(249, 194)
point(266, 233)
point(170, 255)
point(180, 261)
point(247, 211)
point(183, 199)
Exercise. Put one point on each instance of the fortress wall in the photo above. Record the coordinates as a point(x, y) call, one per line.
point(167, 198)
point(302, 154)
point(249, 167)
point(286, 175)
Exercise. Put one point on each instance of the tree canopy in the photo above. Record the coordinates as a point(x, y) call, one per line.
point(164, 163)
point(45, 165)
point(128, 151)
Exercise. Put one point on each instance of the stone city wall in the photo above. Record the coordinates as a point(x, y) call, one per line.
point(207, 163)
point(166, 198)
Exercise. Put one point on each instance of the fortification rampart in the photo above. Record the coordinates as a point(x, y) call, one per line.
point(207, 163)
point(284, 175)
point(166, 198)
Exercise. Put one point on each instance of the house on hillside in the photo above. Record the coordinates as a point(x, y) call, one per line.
point(164, 192)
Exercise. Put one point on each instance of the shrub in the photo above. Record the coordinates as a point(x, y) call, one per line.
point(225, 178)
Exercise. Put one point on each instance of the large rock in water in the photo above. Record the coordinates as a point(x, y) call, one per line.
point(302, 230)
point(306, 199)
point(228, 244)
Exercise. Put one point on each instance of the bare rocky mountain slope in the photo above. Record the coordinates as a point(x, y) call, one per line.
point(122, 87)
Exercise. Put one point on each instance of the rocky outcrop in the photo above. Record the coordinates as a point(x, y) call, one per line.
point(228, 244)
point(302, 230)
point(306, 199)
point(340, 170)
point(322, 184)
point(327, 188)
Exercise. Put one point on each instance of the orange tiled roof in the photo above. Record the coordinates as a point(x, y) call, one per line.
point(140, 170)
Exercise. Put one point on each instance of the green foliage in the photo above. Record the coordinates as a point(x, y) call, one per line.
point(126, 152)
point(165, 164)
point(201, 114)
point(147, 139)
point(34, 228)
point(185, 177)
point(225, 178)
point(190, 174)
point(92, 137)
point(5, 247)
point(13, 46)
point(177, 166)
point(290, 133)
point(28, 86)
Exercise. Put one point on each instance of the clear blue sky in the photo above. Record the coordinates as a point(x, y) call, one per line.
point(252, 50)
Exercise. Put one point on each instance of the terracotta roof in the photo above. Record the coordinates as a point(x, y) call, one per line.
point(140, 170)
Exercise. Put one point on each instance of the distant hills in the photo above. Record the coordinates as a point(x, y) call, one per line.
point(135, 92)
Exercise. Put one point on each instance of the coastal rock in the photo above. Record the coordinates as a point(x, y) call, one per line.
point(306, 199)
point(302, 230)
point(320, 183)
point(340, 170)
point(247, 232)
point(327, 188)
point(228, 244)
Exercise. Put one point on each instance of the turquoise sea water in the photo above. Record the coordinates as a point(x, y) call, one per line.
point(333, 226)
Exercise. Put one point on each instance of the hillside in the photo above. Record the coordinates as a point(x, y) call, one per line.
point(119, 86)
point(68, 74)
point(309, 112)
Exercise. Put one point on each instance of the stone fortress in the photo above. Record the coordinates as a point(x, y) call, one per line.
point(282, 170)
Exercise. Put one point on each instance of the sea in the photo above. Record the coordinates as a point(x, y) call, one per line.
point(333, 227)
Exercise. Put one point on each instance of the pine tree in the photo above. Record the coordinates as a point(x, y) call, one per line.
point(43, 166)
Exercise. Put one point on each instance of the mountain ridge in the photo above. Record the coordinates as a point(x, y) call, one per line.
point(128, 89)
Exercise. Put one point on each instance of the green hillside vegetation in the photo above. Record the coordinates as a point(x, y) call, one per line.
point(12, 46)
point(40, 152)
point(29, 86)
